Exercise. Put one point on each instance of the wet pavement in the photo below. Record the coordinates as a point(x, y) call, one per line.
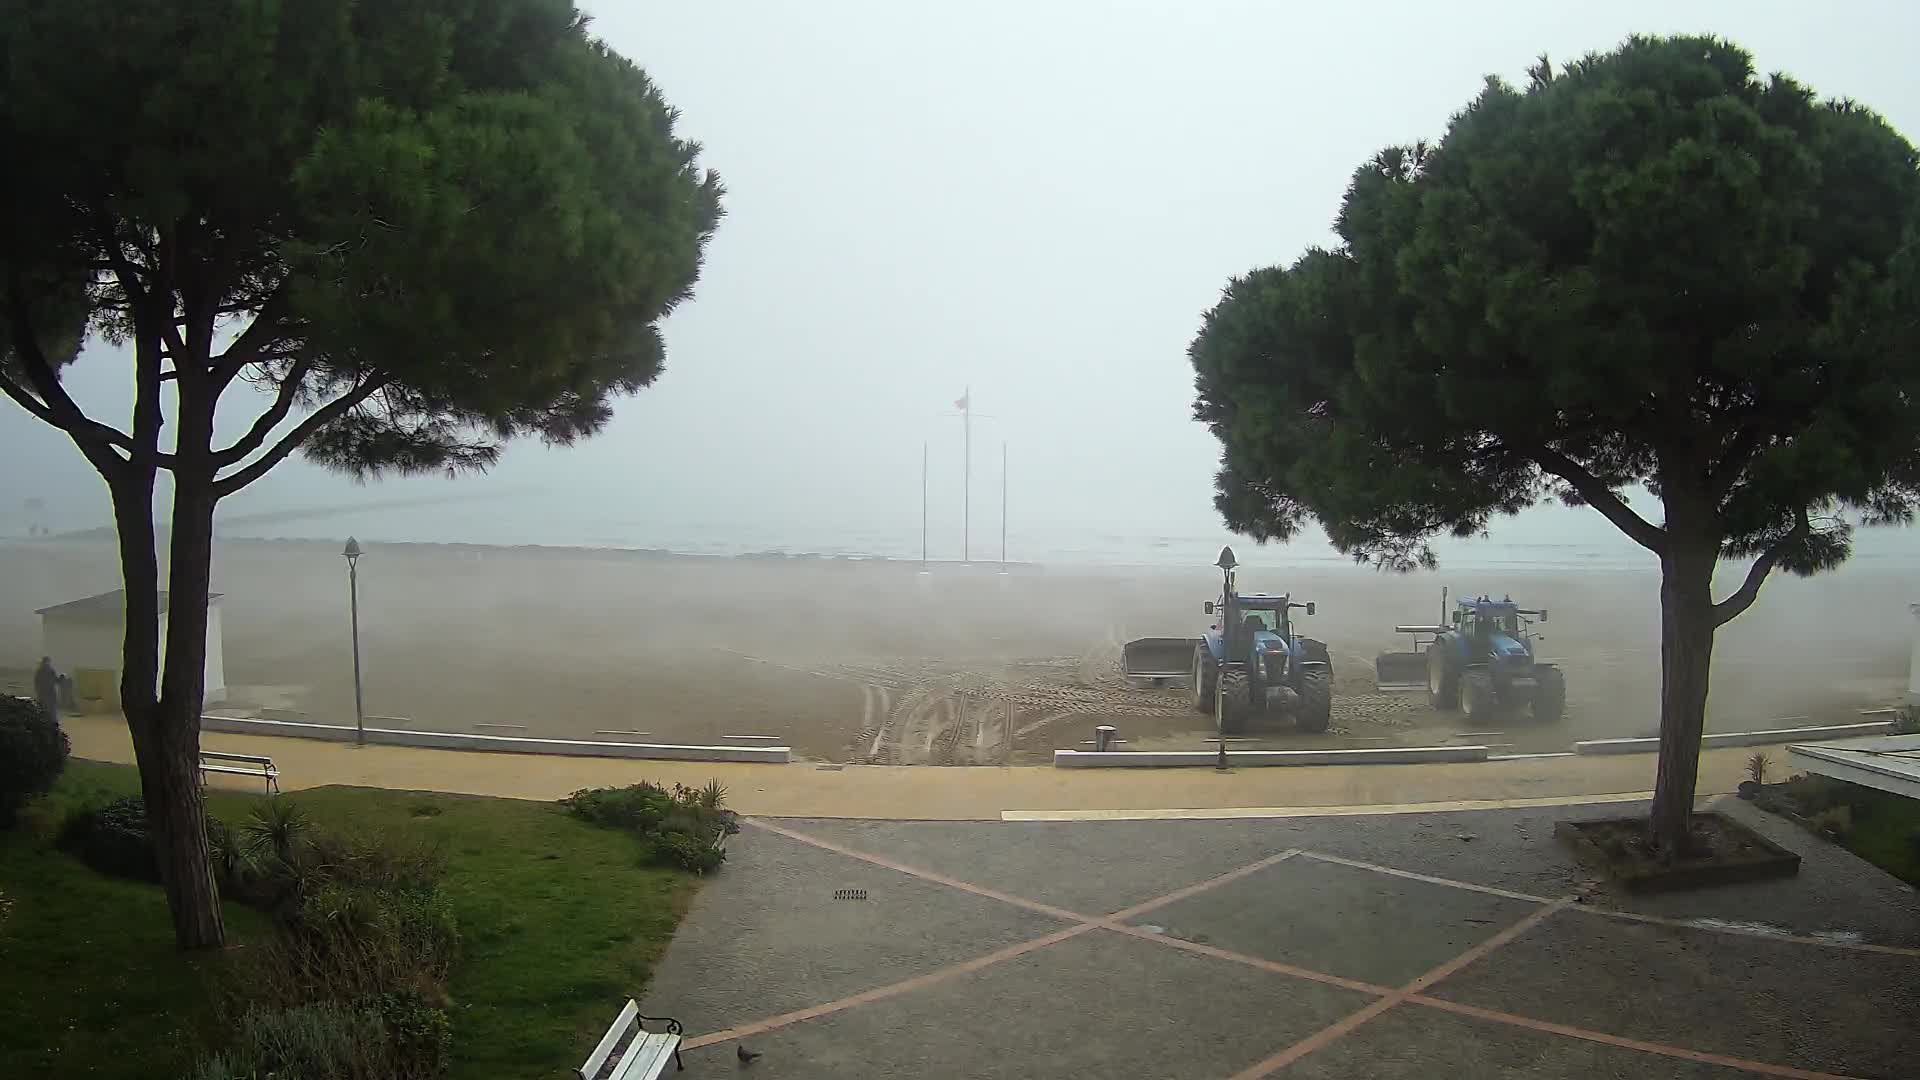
point(1463, 944)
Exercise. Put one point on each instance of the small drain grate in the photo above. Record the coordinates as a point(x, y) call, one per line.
point(849, 894)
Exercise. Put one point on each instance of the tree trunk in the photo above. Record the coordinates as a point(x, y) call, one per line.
point(1686, 657)
point(178, 816)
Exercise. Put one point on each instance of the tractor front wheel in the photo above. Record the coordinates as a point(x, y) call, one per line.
point(1549, 695)
point(1236, 701)
point(1316, 700)
point(1476, 693)
point(1205, 671)
point(1443, 680)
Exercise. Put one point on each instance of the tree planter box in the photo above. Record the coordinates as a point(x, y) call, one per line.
point(1617, 848)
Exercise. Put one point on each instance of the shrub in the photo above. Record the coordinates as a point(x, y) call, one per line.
point(345, 942)
point(1757, 767)
point(379, 861)
point(687, 851)
point(112, 839)
point(275, 830)
point(641, 807)
point(308, 1042)
point(33, 753)
point(683, 828)
point(419, 1037)
point(1834, 822)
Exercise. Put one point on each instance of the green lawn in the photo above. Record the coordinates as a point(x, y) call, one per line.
point(559, 925)
point(1886, 832)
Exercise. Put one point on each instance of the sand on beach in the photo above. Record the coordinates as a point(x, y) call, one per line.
point(851, 661)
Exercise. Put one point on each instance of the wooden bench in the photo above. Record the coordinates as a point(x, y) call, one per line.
point(628, 1051)
point(240, 765)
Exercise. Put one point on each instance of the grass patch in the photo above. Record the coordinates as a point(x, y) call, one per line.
point(1886, 832)
point(559, 924)
point(1879, 826)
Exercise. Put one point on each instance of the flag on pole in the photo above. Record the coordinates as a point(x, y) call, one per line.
point(961, 404)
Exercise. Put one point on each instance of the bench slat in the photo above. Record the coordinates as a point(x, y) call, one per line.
point(629, 1015)
point(648, 1056)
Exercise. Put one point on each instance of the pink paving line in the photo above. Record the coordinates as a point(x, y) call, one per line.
point(1193, 890)
point(1339, 1029)
point(914, 871)
point(1613, 913)
point(882, 993)
point(1388, 998)
point(1084, 924)
point(1661, 1049)
point(1250, 961)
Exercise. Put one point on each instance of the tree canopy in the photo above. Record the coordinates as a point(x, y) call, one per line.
point(1650, 268)
point(1653, 269)
point(434, 224)
point(418, 228)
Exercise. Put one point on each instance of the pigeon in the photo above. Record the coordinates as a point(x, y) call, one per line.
point(745, 1055)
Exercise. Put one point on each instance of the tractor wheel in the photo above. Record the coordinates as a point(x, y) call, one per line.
point(1316, 700)
point(1443, 680)
point(1235, 702)
point(1549, 694)
point(1476, 694)
point(1205, 671)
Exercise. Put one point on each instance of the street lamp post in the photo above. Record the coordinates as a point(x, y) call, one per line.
point(1229, 615)
point(352, 553)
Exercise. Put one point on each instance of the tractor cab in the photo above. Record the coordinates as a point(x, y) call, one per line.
point(1261, 624)
point(1495, 631)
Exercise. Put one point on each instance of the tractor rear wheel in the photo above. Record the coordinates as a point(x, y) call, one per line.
point(1443, 679)
point(1236, 702)
point(1205, 671)
point(1549, 694)
point(1476, 693)
point(1316, 700)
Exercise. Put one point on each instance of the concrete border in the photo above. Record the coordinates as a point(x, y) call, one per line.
point(1164, 759)
point(453, 740)
point(1740, 738)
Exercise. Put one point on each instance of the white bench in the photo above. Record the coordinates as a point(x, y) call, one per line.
point(635, 1053)
point(240, 765)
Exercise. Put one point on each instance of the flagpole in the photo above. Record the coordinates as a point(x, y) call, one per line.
point(1003, 507)
point(923, 505)
point(966, 478)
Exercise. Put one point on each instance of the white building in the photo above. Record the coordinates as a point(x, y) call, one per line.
point(85, 638)
point(1913, 665)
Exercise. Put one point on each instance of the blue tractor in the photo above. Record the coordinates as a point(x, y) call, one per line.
point(1484, 661)
point(1249, 662)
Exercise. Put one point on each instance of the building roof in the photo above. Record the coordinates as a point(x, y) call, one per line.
point(106, 607)
point(1890, 763)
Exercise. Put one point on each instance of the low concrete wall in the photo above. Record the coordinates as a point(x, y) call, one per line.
point(1164, 759)
point(1739, 738)
point(452, 740)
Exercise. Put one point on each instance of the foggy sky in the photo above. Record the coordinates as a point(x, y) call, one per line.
point(1034, 200)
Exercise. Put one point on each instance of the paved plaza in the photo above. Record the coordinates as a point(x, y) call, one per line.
point(1464, 944)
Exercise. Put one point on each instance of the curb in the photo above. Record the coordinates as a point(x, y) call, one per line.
point(1164, 759)
point(449, 740)
point(1740, 738)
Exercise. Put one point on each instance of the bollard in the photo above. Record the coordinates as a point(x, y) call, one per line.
point(1103, 738)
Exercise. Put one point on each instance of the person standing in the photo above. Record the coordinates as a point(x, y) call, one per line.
point(46, 687)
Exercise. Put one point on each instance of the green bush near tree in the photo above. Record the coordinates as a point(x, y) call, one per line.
point(33, 752)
